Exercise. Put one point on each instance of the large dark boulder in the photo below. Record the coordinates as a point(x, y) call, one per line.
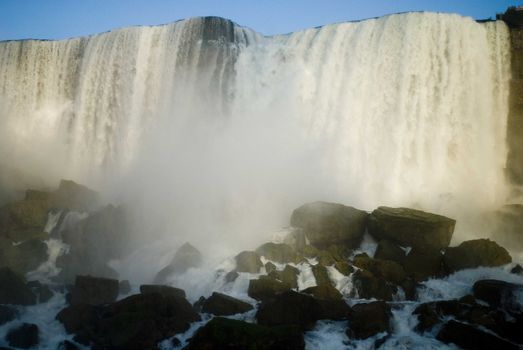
point(224, 305)
point(186, 257)
point(226, 334)
point(421, 264)
point(73, 196)
point(499, 294)
point(79, 318)
point(13, 289)
point(325, 224)
point(325, 292)
point(321, 275)
point(248, 261)
point(475, 253)
point(94, 290)
point(368, 286)
point(411, 228)
point(23, 257)
point(387, 250)
point(470, 337)
point(7, 314)
point(289, 275)
point(289, 308)
point(266, 287)
point(389, 270)
point(162, 290)
point(24, 336)
point(278, 252)
point(366, 320)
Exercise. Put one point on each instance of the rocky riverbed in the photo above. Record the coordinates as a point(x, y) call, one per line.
point(338, 278)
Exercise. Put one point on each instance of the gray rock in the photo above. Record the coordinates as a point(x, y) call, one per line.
point(248, 261)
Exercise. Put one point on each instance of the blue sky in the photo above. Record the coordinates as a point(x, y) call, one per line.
point(58, 19)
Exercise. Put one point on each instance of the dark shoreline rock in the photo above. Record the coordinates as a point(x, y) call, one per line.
point(224, 305)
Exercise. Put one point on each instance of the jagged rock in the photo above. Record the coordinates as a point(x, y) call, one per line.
point(344, 267)
point(278, 252)
point(368, 286)
point(324, 292)
point(325, 224)
point(498, 293)
point(231, 276)
point(411, 228)
point(289, 275)
point(289, 308)
point(387, 250)
point(23, 257)
point(186, 257)
point(366, 320)
point(389, 270)
point(124, 287)
point(475, 253)
point(24, 336)
point(422, 264)
point(470, 337)
point(518, 270)
point(73, 196)
point(162, 290)
point(248, 261)
point(7, 313)
point(223, 305)
point(226, 334)
point(43, 292)
point(94, 290)
point(321, 275)
point(13, 289)
point(269, 267)
point(266, 287)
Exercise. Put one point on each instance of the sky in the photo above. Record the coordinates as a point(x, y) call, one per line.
point(60, 19)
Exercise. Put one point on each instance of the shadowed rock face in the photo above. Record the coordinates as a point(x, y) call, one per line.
point(411, 228)
point(325, 224)
point(94, 290)
point(13, 289)
point(475, 253)
point(185, 258)
point(366, 320)
point(223, 305)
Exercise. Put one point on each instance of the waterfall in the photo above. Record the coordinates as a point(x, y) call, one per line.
point(224, 124)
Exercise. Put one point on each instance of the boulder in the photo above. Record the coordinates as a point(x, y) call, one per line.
point(162, 290)
point(289, 276)
point(344, 267)
point(248, 261)
point(310, 251)
point(266, 287)
point(186, 257)
point(269, 267)
point(422, 264)
point(387, 250)
point(369, 319)
point(321, 275)
point(73, 196)
point(499, 294)
point(296, 239)
point(368, 286)
point(324, 292)
point(278, 252)
point(24, 257)
point(469, 337)
point(475, 253)
point(94, 290)
point(24, 336)
point(7, 314)
point(77, 318)
point(411, 228)
point(226, 334)
point(223, 305)
point(13, 289)
point(389, 270)
point(289, 308)
point(325, 224)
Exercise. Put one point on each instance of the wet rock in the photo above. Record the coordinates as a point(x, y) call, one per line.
point(344, 267)
point(248, 261)
point(368, 286)
point(470, 337)
point(289, 308)
point(326, 224)
point(94, 290)
point(186, 257)
point(333, 309)
point(387, 250)
point(278, 252)
point(7, 314)
point(499, 293)
point(13, 289)
point(162, 290)
point(411, 228)
point(369, 319)
point(432, 313)
point(386, 269)
point(43, 292)
point(226, 334)
point(124, 287)
point(325, 292)
point(269, 267)
point(24, 336)
point(289, 275)
point(422, 264)
point(310, 251)
point(475, 253)
point(78, 317)
point(223, 305)
point(296, 239)
point(409, 287)
point(73, 196)
point(21, 219)
point(321, 275)
point(198, 304)
point(517, 270)
point(231, 276)
point(23, 257)
point(266, 287)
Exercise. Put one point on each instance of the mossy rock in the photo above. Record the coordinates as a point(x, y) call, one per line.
point(324, 292)
point(269, 267)
point(475, 253)
point(248, 261)
point(223, 333)
point(289, 276)
point(23, 257)
point(368, 286)
point(310, 251)
point(422, 264)
point(386, 269)
point(266, 287)
point(344, 267)
point(278, 252)
point(27, 214)
point(321, 275)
